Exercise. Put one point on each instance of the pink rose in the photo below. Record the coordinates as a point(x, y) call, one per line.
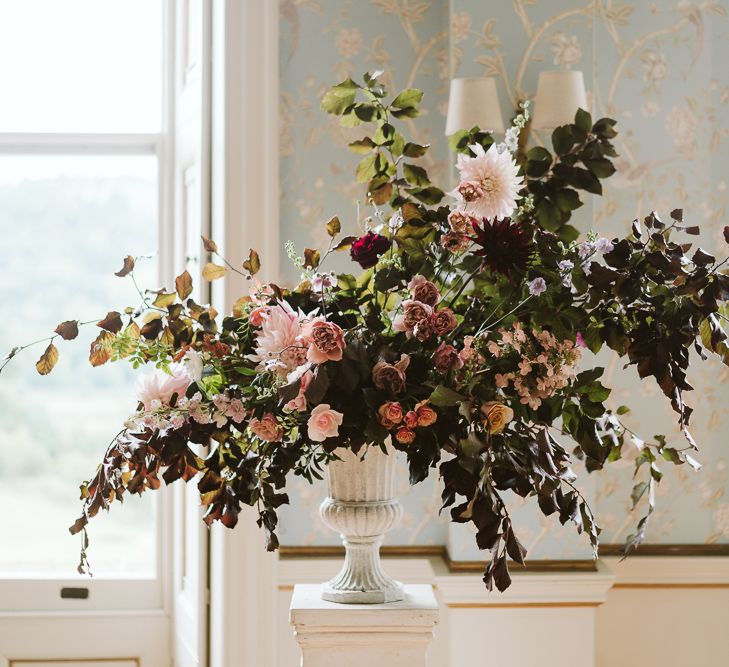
point(298, 404)
point(411, 419)
point(256, 316)
point(391, 376)
point(446, 358)
point(324, 423)
point(444, 321)
point(325, 341)
point(266, 428)
point(424, 291)
point(161, 386)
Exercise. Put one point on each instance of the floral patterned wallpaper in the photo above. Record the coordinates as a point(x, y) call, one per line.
point(657, 67)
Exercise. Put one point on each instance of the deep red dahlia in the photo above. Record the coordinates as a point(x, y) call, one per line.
point(506, 247)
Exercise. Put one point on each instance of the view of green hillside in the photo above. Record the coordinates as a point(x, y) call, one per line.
point(65, 225)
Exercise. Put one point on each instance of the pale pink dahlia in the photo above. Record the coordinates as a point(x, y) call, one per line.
point(161, 386)
point(495, 180)
point(278, 347)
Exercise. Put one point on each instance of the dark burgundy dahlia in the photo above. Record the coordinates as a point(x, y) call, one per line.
point(505, 246)
point(367, 249)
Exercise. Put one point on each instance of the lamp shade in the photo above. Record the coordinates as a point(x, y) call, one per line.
point(474, 101)
point(559, 94)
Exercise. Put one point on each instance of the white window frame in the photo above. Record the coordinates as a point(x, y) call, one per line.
point(37, 597)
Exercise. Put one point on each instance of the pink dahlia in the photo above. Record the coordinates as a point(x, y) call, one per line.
point(278, 347)
point(495, 180)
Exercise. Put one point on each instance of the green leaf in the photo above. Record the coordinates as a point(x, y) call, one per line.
point(414, 150)
point(338, 98)
point(410, 97)
point(362, 146)
point(367, 168)
point(415, 174)
point(407, 112)
point(563, 139)
point(583, 120)
point(444, 397)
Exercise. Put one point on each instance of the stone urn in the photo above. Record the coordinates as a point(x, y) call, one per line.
point(361, 507)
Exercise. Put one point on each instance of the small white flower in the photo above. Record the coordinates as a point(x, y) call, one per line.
point(603, 245)
point(566, 265)
point(585, 249)
point(537, 286)
point(193, 364)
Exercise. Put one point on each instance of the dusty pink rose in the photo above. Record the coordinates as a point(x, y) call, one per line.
point(324, 423)
point(460, 222)
point(424, 330)
point(444, 321)
point(391, 376)
point(455, 242)
point(390, 414)
point(413, 313)
point(161, 386)
point(404, 436)
point(325, 341)
point(470, 191)
point(424, 291)
point(266, 428)
point(446, 358)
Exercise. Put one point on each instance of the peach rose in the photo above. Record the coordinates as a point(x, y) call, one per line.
point(404, 436)
point(390, 414)
point(266, 428)
point(497, 415)
point(324, 423)
point(425, 414)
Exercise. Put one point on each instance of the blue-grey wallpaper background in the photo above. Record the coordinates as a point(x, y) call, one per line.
point(657, 67)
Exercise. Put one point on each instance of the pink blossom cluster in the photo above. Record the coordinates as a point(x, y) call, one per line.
point(545, 364)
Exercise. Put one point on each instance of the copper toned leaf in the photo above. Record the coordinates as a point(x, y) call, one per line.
point(67, 330)
point(209, 244)
point(127, 268)
point(311, 258)
point(253, 263)
point(213, 271)
point(112, 322)
point(183, 284)
point(48, 360)
point(100, 351)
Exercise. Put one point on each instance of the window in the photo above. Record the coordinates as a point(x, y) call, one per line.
point(80, 187)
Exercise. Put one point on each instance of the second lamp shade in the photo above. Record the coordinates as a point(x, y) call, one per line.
point(474, 101)
point(559, 94)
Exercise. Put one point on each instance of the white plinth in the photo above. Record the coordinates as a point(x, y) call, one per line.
point(395, 634)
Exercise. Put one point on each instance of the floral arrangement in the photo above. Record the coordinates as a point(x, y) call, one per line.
point(460, 340)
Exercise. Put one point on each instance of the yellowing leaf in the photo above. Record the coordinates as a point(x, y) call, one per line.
point(165, 299)
point(334, 226)
point(253, 263)
point(311, 258)
point(183, 285)
point(213, 271)
point(48, 360)
point(100, 351)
